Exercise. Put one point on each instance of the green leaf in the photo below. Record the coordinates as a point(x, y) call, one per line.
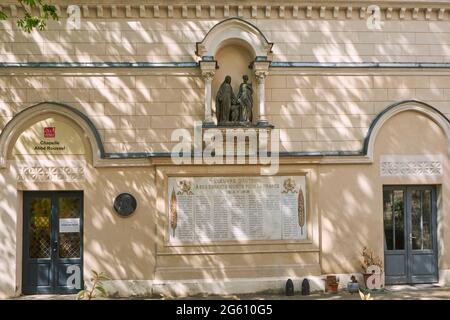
point(81, 294)
point(27, 22)
point(103, 277)
point(102, 290)
point(31, 3)
point(50, 10)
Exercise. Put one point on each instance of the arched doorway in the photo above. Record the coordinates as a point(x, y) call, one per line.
point(46, 151)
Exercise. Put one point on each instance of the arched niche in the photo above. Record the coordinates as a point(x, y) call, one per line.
point(50, 136)
point(233, 58)
point(400, 107)
point(234, 29)
point(233, 45)
point(71, 128)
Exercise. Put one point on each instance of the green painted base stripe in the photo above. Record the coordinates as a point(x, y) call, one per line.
point(273, 64)
point(99, 64)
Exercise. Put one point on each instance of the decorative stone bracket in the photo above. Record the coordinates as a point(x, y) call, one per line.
point(208, 69)
point(261, 69)
point(234, 29)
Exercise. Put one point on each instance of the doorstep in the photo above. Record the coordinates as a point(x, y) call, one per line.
point(413, 287)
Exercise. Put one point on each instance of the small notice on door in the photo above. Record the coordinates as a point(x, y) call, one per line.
point(69, 225)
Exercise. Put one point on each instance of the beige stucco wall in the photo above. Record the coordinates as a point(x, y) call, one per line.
point(235, 259)
point(344, 202)
point(124, 248)
point(351, 198)
point(316, 109)
point(136, 111)
point(129, 36)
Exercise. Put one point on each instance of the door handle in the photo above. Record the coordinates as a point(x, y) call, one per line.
point(55, 246)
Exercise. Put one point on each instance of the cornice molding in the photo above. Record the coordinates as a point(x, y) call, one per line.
point(316, 10)
point(103, 159)
point(106, 64)
point(193, 64)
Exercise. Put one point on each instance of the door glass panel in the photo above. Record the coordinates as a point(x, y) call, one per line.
point(388, 219)
point(40, 228)
point(69, 227)
point(416, 219)
point(421, 219)
point(394, 222)
point(426, 220)
point(399, 219)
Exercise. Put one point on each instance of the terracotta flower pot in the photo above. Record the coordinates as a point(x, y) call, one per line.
point(331, 283)
point(333, 287)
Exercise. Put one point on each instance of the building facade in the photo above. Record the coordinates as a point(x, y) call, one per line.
point(355, 96)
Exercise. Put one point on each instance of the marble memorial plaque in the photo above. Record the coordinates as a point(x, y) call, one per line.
point(211, 209)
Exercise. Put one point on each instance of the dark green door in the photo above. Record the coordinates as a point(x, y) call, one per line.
point(410, 234)
point(53, 242)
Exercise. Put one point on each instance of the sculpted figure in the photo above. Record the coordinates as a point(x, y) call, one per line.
point(235, 112)
point(245, 100)
point(224, 100)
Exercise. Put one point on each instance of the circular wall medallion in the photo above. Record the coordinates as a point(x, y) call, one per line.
point(125, 204)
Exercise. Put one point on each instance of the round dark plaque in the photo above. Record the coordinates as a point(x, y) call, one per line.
point(125, 204)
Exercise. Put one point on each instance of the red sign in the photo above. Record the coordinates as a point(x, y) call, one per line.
point(49, 132)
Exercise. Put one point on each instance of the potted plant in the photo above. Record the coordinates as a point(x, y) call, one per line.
point(331, 284)
point(353, 285)
point(97, 289)
point(369, 258)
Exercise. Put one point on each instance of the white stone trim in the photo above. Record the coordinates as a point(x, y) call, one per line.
point(363, 159)
point(50, 170)
point(276, 285)
point(234, 286)
point(408, 106)
point(444, 277)
point(232, 30)
point(196, 72)
point(208, 69)
point(384, 71)
point(16, 125)
point(419, 9)
point(410, 165)
point(178, 288)
point(261, 70)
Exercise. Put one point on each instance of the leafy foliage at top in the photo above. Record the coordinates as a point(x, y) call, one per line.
point(28, 21)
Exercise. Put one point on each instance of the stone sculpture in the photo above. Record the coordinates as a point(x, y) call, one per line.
point(232, 110)
point(245, 100)
point(224, 99)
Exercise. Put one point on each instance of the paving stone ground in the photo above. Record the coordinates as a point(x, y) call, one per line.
point(390, 293)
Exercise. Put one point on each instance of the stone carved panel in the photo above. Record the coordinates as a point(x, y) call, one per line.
point(68, 171)
point(212, 209)
point(411, 165)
